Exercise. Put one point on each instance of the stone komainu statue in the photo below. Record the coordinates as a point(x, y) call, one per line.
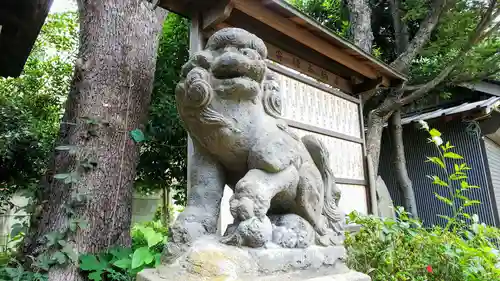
point(284, 188)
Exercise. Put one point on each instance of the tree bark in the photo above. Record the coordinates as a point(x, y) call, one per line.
point(375, 128)
point(361, 25)
point(401, 169)
point(423, 35)
point(109, 98)
point(401, 35)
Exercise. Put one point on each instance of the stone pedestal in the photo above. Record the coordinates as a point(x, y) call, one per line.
point(209, 260)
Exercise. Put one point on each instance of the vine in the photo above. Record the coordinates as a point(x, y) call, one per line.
point(57, 246)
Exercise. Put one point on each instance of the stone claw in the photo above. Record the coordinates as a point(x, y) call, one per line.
point(233, 239)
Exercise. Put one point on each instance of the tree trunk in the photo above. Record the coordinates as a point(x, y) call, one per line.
point(401, 169)
point(361, 25)
point(401, 34)
point(375, 127)
point(109, 98)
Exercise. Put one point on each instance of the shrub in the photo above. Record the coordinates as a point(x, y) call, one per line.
point(401, 249)
point(122, 264)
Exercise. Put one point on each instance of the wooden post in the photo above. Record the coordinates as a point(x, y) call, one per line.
point(164, 196)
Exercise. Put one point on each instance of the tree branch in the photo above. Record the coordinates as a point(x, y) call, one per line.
point(488, 33)
point(422, 37)
point(486, 73)
point(396, 100)
point(473, 39)
point(401, 34)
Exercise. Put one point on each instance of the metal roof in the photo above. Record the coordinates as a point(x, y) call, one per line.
point(487, 105)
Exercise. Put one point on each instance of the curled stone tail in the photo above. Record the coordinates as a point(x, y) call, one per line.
point(321, 157)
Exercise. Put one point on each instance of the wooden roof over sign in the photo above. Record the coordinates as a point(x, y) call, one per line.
point(20, 24)
point(287, 30)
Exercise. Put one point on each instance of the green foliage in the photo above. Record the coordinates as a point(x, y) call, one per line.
point(163, 153)
point(330, 13)
point(450, 35)
point(122, 264)
point(401, 249)
point(455, 183)
point(30, 105)
point(159, 214)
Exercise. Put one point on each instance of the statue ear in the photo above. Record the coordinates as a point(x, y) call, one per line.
point(272, 99)
point(201, 59)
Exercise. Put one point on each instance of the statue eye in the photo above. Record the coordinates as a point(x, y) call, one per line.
point(250, 53)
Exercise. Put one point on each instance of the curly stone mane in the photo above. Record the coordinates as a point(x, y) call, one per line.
point(195, 91)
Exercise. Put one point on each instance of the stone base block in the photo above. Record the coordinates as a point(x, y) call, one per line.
point(152, 275)
point(209, 260)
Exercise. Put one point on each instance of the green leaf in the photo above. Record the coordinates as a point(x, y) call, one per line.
point(434, 133)
point(447, 146)
point(457, 176)
point(464, 166)
point(438, 181)
point(52, 238)
point(465, 185)
point(17, 229)
point(89, 164)
point(83, 224)
point(44, 262)
point(157, 260)
point(59, 257)
point(123, 263)
point(452, 155)
point(444, 217)
point(74, 224)
point(90, 121)
point(72, 149)
point(141, 256)
point(61, 176)
point(91, 263)
point(471, 202)
point(96, 275)
point(70, 252)
point(443, 199)
point(121, 253)
point(137, 135)
point(436, 160)
point(152, 237)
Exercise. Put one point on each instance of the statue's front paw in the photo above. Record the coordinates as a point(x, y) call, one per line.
point(242, 208)
point(191, 224)
point(254, 232)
